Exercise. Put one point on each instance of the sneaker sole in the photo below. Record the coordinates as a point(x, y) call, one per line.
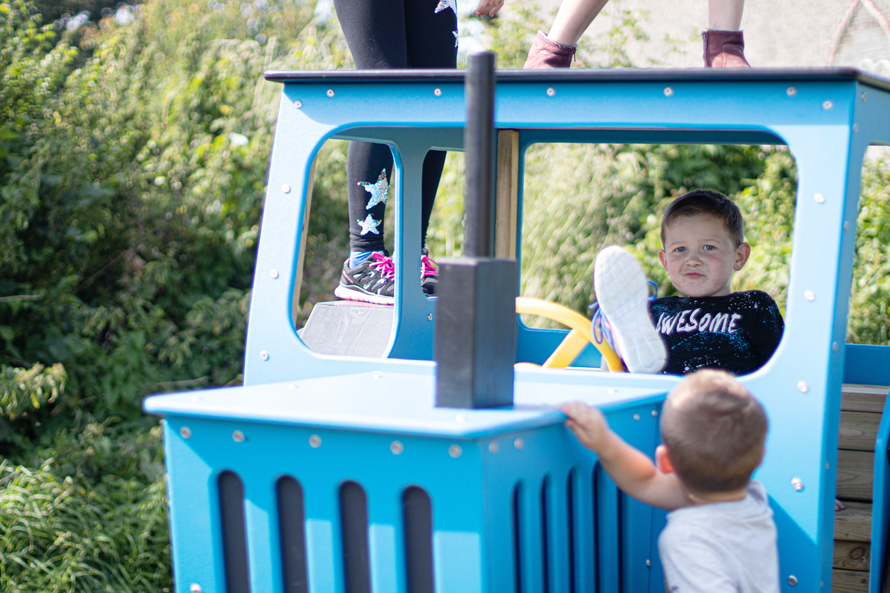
point(623, 295)
point(350, 294)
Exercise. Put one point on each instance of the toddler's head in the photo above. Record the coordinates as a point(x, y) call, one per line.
point(702, 234)
point(714, 432)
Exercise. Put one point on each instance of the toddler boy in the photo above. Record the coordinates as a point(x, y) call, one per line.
point(702, 234)
point(720, 535)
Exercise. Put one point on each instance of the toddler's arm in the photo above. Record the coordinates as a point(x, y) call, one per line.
point(629, 468)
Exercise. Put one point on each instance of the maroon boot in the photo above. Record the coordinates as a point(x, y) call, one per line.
point(724, 49)
point(547, 54)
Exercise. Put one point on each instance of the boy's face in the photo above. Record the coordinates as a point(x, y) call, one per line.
point(700, 256)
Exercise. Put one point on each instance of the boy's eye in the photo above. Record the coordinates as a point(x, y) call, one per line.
point(679, 249)
point(709, 248)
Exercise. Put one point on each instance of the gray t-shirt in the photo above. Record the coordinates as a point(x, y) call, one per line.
point(722, 547)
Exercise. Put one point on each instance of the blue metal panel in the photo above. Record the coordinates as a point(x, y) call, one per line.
point(880, 509)
point(357, 407)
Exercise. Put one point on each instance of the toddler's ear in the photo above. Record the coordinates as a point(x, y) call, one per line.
point(662, 257)
point(742, 253)
point(663, 460)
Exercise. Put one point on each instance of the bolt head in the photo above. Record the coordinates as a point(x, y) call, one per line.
point(185, 432)
point(195, 588)
point(454, 451)
point(827, 105)
point(797, 484)
point(791, 91)
point(315, 441)
point(551, 91)
point(792, 580)
point(330, 93)
point(396, 447)
point(437, 92)
point(518, 443)
point(298, 104)
point(238, 436)
point(668, 91)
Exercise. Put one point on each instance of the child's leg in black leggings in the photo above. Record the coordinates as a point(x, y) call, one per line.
point(386, 34)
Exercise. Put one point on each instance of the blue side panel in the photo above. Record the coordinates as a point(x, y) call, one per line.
point(880, 513)
point(867, 364)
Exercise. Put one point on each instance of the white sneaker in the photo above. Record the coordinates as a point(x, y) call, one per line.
point(623, 296)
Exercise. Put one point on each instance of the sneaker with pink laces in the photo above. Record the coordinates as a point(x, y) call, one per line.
point(429, 276)
point(372, 281)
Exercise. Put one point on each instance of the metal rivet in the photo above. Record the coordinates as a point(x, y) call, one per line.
point(493, 447)
point(820, 199)
point(808, 295)
point(855, 128)
point(454, 451)
point(437, 92)
point(802, 386)
point(668, 91)
point(274, 273)
point(238, 436)
point(285, 188)
point(654, 413)
point(429, 317)
point(396, 447)
point(195, 588)
point(834, 346)
point(264, 355)
point(791, 91)
point(330, 93)
point(185, 432)
point(636, 417)
point(862, 96)
point(298, 104)
point(460, 418)
point(648, 563)
point(827, 465)
point(797, 484)
point(792, 580)
point(827, 105)
point(518, 443)
point(846, 224)
point(315, 441)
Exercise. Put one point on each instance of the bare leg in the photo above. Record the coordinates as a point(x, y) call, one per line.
point(723, 15)
point(574, 17)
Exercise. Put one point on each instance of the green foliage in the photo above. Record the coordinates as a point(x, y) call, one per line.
point(869, 321)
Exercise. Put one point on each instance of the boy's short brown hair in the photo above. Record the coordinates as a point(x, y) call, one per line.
point(709, 202)
point(714, 431)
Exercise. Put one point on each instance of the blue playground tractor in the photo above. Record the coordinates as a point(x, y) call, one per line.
point(333, 472)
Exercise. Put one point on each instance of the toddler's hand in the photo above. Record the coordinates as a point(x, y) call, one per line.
point(489, 7)
point(588, 424)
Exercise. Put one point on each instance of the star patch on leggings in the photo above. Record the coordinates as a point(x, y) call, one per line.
point(379, 191)
point(369, 225)
point(446, 4)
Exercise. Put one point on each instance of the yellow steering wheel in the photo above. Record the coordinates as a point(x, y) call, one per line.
point(576, 339)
